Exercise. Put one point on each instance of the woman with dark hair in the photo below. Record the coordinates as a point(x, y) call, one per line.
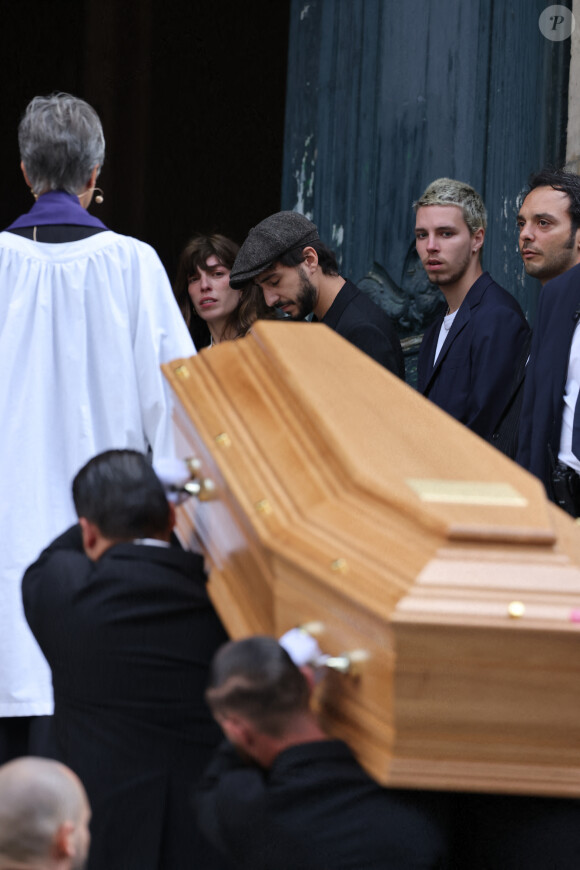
point(212, 309)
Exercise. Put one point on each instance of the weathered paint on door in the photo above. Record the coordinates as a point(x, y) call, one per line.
point(384, 97)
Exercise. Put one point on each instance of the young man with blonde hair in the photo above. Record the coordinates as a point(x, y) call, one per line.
point(467, 356)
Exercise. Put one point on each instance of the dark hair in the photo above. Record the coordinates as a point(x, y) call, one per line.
point(567, 182)
point(194, 257)
point(326, 257)
point(257, 678)
point(119, 492)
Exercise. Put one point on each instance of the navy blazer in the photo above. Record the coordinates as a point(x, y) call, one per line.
point(472, 376)
point(547, 371)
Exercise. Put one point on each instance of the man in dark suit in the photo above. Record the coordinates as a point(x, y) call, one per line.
point(126, 625)
point(467, 356)
point(281, 794)
point(298, 275)
point(549, 435)
point(549, 241)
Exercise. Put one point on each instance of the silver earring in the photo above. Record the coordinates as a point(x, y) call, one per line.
point(99, 198)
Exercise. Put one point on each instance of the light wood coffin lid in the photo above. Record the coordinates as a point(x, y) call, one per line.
point(345, 500)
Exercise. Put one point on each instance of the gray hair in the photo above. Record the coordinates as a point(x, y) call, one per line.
point(37, 796)
point(61, 141)
point(447, 191)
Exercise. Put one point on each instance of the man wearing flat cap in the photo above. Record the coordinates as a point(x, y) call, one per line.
point(298, 275)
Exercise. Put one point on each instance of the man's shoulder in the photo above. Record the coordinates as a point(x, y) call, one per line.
point(145, 565)
point(487, 295)
point(129, 246)
point(490, 291)
point(107, 241)
point(359, 298)
point(56, 576)
point(558, 307)
point(138, 564)
point(334, 757)
point(562, 283)
point(159, 558)
point(360, 309)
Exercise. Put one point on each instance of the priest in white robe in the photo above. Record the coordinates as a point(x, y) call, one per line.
point(86, 318)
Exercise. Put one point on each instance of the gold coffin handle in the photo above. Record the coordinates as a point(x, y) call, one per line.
point(203, 490)
point(345, 663)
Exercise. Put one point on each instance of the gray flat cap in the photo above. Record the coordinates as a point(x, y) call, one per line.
point(267, 241)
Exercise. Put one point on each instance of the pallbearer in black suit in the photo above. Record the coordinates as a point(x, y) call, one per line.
point(468, 356)
point(281, 795)
point(298, 275)
point(126, 625)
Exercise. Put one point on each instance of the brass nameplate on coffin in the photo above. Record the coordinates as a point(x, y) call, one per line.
point(466, 492)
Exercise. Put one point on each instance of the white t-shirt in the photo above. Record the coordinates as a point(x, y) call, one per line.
point(445, 327)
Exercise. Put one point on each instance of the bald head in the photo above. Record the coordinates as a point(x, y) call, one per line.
point(44, 815)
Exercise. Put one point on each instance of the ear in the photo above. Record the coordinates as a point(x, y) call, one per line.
point(477, 239)
point(310, 259)
point(26, 178)
point(63, 843)
point(91, 535)
point(238, 730)
point(93, 178)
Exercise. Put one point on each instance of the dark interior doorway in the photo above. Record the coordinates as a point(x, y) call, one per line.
point(191, 95)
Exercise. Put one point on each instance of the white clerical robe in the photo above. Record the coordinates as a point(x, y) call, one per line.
point(84, 327)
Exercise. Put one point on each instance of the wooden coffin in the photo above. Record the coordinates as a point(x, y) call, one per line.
point(335, 496)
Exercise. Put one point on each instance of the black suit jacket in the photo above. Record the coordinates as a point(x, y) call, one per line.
point(358, 319)
point(129, 639)
point(547, 371)
point(475, 368)
point(317, 809)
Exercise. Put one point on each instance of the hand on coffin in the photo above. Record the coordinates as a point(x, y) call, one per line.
point(304, 651)
point(173, 474)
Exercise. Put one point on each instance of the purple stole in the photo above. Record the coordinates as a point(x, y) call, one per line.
point(56, 208)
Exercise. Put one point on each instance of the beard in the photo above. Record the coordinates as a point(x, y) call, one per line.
point(306, 298)
point(554, 262)
point(457, 272)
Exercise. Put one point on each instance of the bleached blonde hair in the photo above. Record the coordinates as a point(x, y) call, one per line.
point(448, 191)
